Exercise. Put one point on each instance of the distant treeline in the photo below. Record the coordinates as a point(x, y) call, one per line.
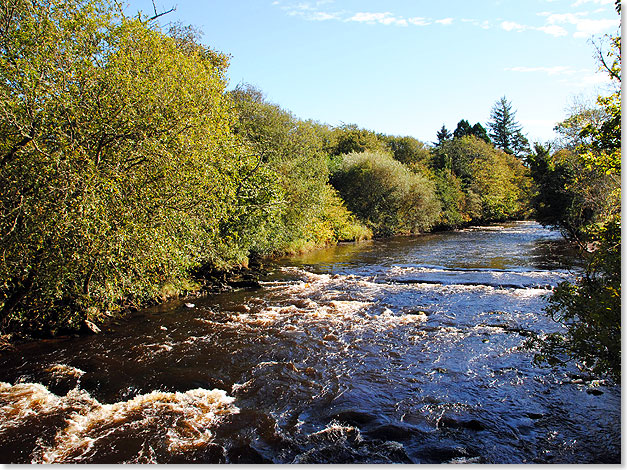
point(126, 166)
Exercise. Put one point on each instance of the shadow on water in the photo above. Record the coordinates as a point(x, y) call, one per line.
point(405, 350)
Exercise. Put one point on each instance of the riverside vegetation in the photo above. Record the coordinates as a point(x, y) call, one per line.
point(128, 172)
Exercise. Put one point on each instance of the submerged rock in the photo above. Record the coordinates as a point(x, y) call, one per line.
point(472, 424)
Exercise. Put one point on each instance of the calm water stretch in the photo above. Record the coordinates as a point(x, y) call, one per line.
point(406, 350)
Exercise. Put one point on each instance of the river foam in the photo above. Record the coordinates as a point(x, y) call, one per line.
point(175, 422)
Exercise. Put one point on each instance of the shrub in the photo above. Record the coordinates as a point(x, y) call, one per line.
point(388, 197)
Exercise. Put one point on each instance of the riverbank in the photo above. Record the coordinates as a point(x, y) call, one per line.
point(204, 281)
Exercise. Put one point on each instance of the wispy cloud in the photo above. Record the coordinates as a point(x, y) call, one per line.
point(323, 16)
point(445, 21)
point(553, 30)
point(584, 26)
point(579, 24)
point(555, 25)
point(311, 11)
point(419, 21)
point(512, 26)
point(386, 18)
point(483, 24)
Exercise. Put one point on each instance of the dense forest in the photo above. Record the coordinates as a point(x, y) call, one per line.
point(129, 170)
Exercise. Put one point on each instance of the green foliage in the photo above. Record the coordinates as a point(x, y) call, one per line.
point(119, 171)
point(388, 197)
point(498, 179)
point(452, 199)
point(588, 208)
point(350, 138)
point(336, 223)
point(309, 212)
point(125, 166)
point(582, 115)
point(443, 135)
point(590, 310)
point(408, 150)
point(465, 129)
point(495, 185)
point(453, 155)
point(569, 195)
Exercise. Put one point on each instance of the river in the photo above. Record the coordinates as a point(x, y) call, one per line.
point(405, 350)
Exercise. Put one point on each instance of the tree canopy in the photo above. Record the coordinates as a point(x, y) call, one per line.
point(119, 170)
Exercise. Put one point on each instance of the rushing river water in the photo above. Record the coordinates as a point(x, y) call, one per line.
point(406, 350)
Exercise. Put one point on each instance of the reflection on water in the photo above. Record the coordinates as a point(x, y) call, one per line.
point(405, 350)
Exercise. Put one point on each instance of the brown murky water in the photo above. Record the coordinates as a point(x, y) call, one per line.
point(405, 350)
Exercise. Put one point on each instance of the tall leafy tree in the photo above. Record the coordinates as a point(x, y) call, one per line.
point(386, 195)
point(505, 131)
point(308, 211)
point(590, 308)
point(408, 150)
point(118, 166)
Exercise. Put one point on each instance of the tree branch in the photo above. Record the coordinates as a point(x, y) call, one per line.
point(10, 155)
point(158, 15)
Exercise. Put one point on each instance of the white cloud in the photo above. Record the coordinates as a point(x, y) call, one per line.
point(323, 16)
point(555, 24)
point(593, 79)
point(419, 21)
point(553, 30)
point(386, 18)
point(311, 11)
point(485, 24)
point(586, 28)
point(561, 18)
point(511, 26)
point(445, 21)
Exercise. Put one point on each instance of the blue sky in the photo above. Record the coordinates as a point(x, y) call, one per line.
point(407, 67)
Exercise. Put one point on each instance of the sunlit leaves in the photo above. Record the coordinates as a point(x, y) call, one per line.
point(120, 171)
point(589, 183)
point(385, 194)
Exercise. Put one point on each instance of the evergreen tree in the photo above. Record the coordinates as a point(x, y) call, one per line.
point(479, 131)
point(505, 131)
point(463, 129)
point(443, 135)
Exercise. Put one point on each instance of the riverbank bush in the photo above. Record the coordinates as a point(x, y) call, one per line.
point(491, 184)
point(309, 212)
point(119, 170)
point(386, 195)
